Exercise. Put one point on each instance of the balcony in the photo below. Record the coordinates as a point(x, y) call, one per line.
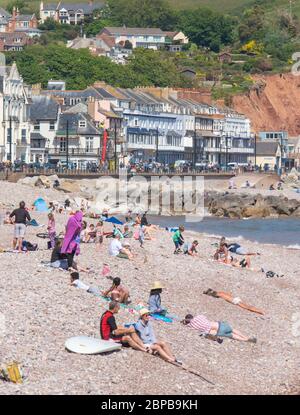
point(75, 152)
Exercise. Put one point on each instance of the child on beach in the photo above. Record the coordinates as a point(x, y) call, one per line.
point(178, 239)
point(51, 229)
point(75, 282)
point(142, 236)
point(190, 248)
point(99, 233)
point(154, 301)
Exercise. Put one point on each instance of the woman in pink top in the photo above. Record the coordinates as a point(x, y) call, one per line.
point(51, 229)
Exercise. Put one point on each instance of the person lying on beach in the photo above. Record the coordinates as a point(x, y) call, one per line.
point(144, 222)
point(233, 300)
point(178, 239)
point(236, 248)
point(229, 260)
point(117, 250)
point(190, 248)
point(215, 328)
point(75, 282)
point(154, 302)
point(117, 292)
point(110, 330)
point(145, 332)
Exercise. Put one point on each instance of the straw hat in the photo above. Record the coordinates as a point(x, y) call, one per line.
point(144, 311)
point(156, 285)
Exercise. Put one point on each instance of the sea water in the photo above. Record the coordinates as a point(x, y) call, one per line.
point(271, 231)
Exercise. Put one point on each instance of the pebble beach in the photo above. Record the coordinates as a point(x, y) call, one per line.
point(41, 310)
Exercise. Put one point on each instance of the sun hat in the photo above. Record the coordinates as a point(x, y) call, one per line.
point(144, 311)
point(157, 285)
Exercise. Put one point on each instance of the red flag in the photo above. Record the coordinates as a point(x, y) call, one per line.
point(104, 145)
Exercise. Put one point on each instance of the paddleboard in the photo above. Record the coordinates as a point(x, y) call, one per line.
point(90, 345)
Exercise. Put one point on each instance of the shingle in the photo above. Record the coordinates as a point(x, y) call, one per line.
point(266, 148)
point(43, 108)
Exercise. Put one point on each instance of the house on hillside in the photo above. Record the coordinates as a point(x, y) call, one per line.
point(68, 13)
point(175, 41)
point(188, 73)
point(149, 38)
point(13, 41)
point(18, 23)
point(225, 57)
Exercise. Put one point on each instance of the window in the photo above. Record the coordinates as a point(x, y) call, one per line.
point(89, 144)
point(82, 124)
point(23, 136)
point(36, 126)
point(52, 126)
point(62, 144)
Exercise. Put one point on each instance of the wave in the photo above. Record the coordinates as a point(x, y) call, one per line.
point(229, 237)
point(296, 246)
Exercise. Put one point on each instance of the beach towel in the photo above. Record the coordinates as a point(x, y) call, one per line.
point(73, 229)
point(33, 222)
point(113, 220)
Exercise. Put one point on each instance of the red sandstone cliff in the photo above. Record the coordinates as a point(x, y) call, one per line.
point(273, 107)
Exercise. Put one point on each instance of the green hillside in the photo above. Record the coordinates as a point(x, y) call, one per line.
point(227, 6)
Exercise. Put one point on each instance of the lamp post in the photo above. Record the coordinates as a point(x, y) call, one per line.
point(157, 138)
point(67, 144)
point(115, 130)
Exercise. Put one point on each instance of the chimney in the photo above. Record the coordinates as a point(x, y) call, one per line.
point(14, 12)
point(17, 12)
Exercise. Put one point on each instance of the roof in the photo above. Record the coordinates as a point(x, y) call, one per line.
point(266, 148)
point(43, 108)
point(73, 125)
point(109, 40)
point(25, 17)
point(50, 7)
point(4, 13)
point(134, 31)
point(37, 136)
point(87, 8)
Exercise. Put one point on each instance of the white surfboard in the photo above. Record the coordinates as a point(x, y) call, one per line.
point(90, 345)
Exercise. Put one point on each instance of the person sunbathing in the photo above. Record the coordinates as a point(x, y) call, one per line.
point(145, 332)
point(110, 331)
point(236, 248)
point(75, 282)
point(117, 292)
point(233, 300)
point(215, 328)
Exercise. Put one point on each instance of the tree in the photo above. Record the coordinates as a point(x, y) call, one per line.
point(252, 25)
point(142, 13)
point(18, 4)
point(207, 28)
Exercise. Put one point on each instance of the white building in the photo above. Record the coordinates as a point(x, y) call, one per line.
point(14, 110)
point(148, 38)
